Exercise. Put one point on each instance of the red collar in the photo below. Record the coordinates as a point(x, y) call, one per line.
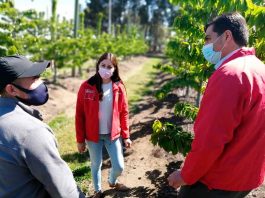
point(244, 51)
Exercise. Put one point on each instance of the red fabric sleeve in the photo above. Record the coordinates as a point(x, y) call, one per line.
point(220, 113)
point(124, 114)
point(80, 116)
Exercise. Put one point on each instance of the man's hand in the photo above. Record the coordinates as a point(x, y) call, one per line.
point(175, 180)
point(81, 147)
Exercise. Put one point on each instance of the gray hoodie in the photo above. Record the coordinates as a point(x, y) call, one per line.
point(30, 164)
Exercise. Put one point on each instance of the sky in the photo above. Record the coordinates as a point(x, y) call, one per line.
point(65, 8)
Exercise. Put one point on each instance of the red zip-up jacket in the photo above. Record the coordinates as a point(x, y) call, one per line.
point(87, 113)
point(228, 151)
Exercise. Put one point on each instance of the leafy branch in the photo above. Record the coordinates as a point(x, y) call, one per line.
point(186, 110)
point(171, 138)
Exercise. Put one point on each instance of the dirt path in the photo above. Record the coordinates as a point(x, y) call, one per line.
point(146, 166)
point(63, 95)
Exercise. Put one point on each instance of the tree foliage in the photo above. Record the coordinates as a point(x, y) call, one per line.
point(171, 138)
point(30, 34)
point(149, 16)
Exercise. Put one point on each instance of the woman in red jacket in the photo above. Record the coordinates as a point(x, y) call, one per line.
point(102, 120)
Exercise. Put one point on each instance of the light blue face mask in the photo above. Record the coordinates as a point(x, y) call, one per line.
point(210, 55)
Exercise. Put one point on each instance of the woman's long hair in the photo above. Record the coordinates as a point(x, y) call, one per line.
point(97, 80)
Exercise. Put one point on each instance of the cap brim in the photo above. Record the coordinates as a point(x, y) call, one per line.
point(35, 69)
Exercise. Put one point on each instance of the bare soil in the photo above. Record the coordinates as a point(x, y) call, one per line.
point(146, 166)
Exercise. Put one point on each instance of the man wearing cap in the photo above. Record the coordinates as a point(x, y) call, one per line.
point(30, 164)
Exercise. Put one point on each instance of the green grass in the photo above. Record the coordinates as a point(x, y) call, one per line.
point(64, 129)
point(140, 84)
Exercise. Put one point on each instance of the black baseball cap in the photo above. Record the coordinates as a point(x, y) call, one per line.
point(18, 66)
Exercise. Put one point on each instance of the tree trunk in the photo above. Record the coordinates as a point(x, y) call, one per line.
point(73, 72)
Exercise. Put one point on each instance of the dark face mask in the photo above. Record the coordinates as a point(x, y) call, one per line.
point(36, 97)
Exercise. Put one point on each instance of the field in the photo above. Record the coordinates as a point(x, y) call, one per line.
point(159, 45)
point(147, 166)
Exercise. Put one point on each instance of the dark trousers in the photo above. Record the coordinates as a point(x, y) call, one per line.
point(199, 190)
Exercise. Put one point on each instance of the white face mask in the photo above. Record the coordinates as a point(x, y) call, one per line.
point(210, 55)
point(105, 73)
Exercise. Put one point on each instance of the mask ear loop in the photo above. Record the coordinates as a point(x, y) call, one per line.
point(223, 46)
point(21, 88)
point(217, 40)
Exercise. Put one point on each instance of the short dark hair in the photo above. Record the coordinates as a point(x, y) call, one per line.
point(234, 22)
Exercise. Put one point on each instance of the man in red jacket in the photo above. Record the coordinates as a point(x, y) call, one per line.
point(227, 158)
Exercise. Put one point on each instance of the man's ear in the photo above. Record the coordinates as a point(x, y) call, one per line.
point(228, 35)
point(10, 90)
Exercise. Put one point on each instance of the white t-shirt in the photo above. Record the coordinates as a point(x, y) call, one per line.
point(105, 109)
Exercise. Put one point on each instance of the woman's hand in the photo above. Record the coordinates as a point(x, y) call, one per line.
point(128, 143)
point(81, 147)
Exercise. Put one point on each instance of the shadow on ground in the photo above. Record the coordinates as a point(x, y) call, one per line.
point(143, 128)
point(160, 182)
point(153, 106)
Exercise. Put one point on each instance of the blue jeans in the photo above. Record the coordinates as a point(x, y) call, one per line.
point(114, 149)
